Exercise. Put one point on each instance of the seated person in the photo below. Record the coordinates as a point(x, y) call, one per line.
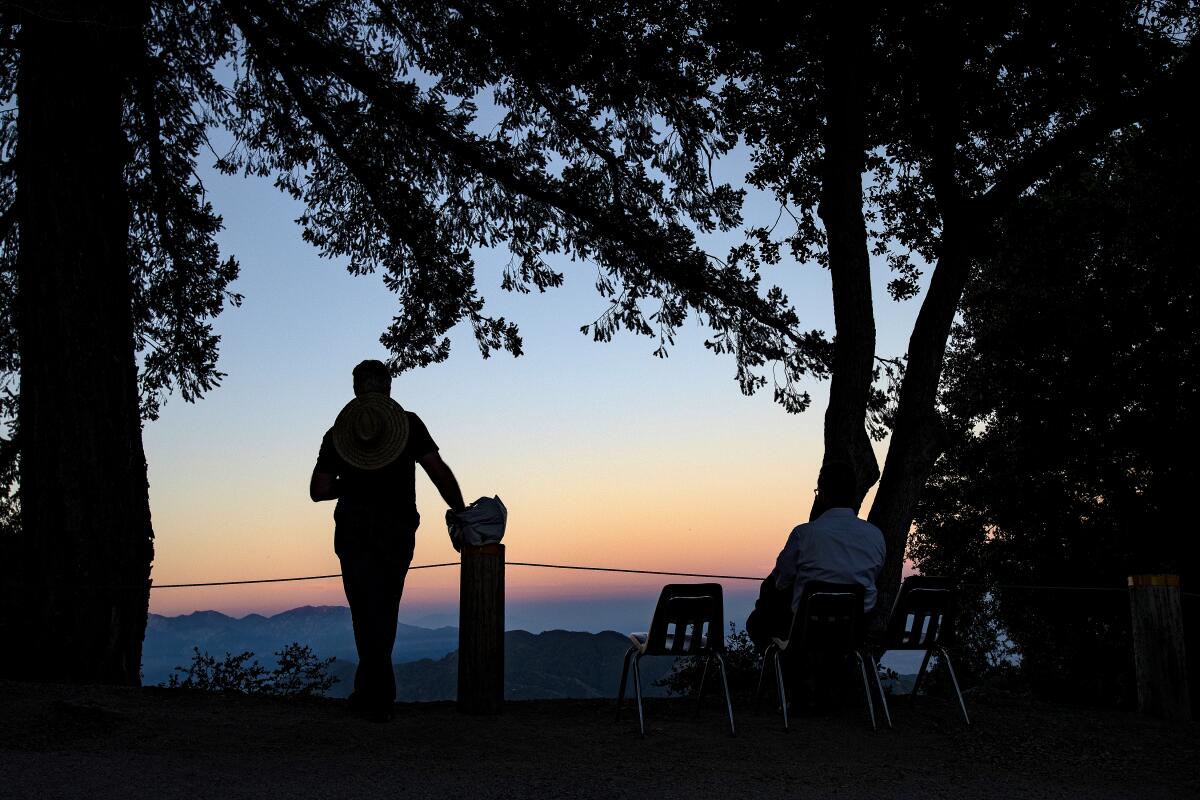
point(835, 546)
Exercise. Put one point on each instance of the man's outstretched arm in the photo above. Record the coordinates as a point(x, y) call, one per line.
point(447, 485)
point(323, 486)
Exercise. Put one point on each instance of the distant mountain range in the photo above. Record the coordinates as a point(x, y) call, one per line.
point(553, 664)
point(326, 629)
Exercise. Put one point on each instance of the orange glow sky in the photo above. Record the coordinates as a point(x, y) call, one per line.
point(603, 454)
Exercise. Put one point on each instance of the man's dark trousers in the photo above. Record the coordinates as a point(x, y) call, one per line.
point(803, 672)
point(772, 614)
point(375, 560)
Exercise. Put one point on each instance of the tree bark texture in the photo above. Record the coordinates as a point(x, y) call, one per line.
point(82, 576)
point(841, 212)
point(918, 436)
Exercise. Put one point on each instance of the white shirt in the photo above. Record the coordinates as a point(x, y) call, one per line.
point(837, 547)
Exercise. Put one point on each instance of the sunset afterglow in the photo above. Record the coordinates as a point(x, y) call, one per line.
point(604, 455)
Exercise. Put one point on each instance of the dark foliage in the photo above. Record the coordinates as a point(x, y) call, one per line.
point(1069, 385)
point(415, 133)
point(960, 107)
point(741, 659)
point(298, 673)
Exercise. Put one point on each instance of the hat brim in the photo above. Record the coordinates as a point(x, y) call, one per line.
point(381, 451)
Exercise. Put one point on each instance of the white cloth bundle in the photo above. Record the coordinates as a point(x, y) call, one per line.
point(482, 522)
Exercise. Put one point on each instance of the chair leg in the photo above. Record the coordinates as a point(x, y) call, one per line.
point(728, 700)
point(782, 692)
point(637, 688)
point(862, 667)
point(920, 674)
point(887, 713)
point(762, 673)
point(703, 680)
point(624, 676)
point(954, 680)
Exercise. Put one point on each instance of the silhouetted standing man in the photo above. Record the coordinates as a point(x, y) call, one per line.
point(367, 463)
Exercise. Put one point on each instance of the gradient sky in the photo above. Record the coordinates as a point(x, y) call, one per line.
point(603, 454)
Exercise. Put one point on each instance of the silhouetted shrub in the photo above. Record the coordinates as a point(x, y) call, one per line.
point(741, 659)
point(299, 673)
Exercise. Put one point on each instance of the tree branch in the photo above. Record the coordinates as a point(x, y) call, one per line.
point(409, 234)
point(939, 70)
point(149, 107)
point(1013, 181)
point(682, 266)
point(894, 362)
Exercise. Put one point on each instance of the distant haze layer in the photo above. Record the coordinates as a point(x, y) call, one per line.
point(568, 608)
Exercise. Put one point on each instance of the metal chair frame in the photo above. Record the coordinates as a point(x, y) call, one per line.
point(828, 619)
point(920, 619)
point(678, 629)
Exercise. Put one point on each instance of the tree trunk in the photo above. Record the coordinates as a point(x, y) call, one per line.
point(84, 557)
point(841, 211)
point(918, 435)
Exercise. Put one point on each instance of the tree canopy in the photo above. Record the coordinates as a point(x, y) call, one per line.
point(909, 132)
point(1069, 389)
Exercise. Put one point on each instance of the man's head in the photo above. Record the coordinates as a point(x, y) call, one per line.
point(372, 376)
point(837, 485)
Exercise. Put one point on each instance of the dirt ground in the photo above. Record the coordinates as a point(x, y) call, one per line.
point(98, 742)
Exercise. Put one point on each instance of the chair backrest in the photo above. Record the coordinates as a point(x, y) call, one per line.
point(922, 615)
point(688, 620)
point(829, 617)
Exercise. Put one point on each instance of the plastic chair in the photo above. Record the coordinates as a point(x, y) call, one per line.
point(689, 620)
point(921, 620)
point(828, 620)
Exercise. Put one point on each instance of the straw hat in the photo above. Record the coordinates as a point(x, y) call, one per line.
point(371, 431)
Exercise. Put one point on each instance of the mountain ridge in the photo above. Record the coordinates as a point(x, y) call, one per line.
point(326, 629)
point(551, 664)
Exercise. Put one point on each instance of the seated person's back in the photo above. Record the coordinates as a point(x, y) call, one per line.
point(836, 546)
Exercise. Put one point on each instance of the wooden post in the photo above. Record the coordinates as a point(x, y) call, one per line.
point(1158, 655)
point(481, 629)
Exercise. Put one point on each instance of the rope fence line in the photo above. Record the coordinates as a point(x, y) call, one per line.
point(279, 580)
point(1017, 586)
point(455, 564)
point(638, 571)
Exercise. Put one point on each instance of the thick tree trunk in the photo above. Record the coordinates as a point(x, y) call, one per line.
point(86, 544)
point(918, 435)
point(841, 211)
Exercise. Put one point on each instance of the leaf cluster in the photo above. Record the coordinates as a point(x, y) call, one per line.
point(180, 280)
